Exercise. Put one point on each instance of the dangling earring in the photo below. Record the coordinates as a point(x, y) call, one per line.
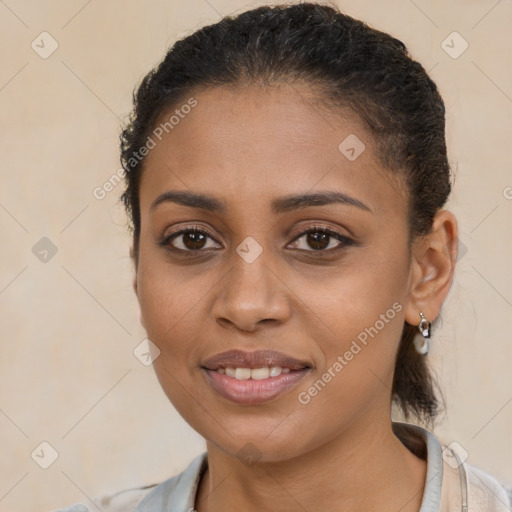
point(421, 344)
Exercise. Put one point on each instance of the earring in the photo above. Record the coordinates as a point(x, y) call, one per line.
point(422, 344)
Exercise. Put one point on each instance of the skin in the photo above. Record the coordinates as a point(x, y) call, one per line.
point(247, 146)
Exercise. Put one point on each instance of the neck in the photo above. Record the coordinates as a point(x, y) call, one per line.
point(363, 469)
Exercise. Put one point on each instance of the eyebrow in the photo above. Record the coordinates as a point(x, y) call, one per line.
point(279, 205)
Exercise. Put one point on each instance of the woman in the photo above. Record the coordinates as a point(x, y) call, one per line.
point(286, 177)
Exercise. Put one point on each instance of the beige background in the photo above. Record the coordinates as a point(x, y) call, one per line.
point(68, 326)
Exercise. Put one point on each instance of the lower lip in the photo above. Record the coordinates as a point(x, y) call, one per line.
point(250, 391)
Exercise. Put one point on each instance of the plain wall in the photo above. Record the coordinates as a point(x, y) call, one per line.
point(68, 326)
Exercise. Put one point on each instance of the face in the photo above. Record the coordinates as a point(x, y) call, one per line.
point(274, 270)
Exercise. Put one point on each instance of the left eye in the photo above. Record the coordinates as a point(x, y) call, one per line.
point(321, 239)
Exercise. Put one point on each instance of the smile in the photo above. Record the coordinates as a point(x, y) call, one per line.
point(251, 378)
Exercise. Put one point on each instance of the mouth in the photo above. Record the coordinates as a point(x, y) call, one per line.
point(250, 378)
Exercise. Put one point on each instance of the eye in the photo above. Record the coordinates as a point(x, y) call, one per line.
point(189, 240)
point(321, 239)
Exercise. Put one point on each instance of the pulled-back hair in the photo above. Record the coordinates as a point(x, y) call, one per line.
point(350, 66)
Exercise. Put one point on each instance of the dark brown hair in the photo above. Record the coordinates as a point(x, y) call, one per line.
point(351, 66)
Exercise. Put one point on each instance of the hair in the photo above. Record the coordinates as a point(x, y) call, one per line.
point(349, 65)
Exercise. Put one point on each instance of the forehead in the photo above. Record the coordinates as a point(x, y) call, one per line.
point(256, 142)
point(267, 121)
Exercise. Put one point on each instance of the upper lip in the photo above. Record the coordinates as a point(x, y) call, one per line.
point(256, 359)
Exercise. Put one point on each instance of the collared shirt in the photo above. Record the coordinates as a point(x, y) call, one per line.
point(451, 485)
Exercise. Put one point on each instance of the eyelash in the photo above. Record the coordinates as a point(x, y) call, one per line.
point(344, 240)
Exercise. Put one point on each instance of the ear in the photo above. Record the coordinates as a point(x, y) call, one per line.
point(132, 257)
point(432, 268)
point(135, 284)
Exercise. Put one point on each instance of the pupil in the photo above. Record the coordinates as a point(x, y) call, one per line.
point(318, 241)
point(194, 240)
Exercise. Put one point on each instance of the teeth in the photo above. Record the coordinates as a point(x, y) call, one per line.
point(255, 373)
point(260, 373)
point(242, 373)
point(275, 371)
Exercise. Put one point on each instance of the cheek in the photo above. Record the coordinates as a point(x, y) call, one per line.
point(358, 295)
point(360, 311)
point(169, 305)
point(358, 354)
point(170, 310)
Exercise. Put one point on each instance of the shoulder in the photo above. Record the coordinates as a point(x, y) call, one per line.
point(153, 497)
point(486, 491)
point(453, 483)
point(124, 501)
point(470, 486)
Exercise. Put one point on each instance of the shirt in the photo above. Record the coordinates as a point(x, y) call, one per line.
point(451, 485)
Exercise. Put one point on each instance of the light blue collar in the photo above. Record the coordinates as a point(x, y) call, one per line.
point(432, 493)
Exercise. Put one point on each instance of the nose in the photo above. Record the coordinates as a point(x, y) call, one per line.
point(251, 295)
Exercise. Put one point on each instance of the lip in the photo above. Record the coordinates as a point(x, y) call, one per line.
point(256, 359)
point(253, 392)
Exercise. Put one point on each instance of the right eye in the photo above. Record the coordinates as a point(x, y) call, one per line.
point(189, 240)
